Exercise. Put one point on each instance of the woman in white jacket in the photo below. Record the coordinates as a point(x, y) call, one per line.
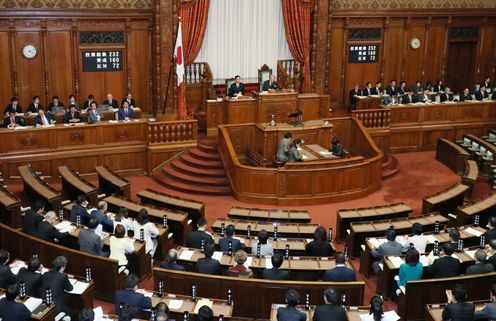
point(150, 231)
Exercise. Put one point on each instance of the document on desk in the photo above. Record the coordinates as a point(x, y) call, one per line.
point(375, 242)
point(175, 304)
point(62, 225)
point(304, 157)
point(388, 316)
point(67, 229)
point(217, 255)
point(186, 255)
point(473, 232)
point(471, 253)
point(32, 303)
point(431, 239)
point(248, 262)
point(78, 286)
point(424, 260)
point(16, 266)
point(268, 262)
point(396, 260)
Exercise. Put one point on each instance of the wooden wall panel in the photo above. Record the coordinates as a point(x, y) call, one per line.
point(30, 71)
point(5, 71)
point(435, 48)
point(413, 59)
point(60, 64)
point(336, 42)
point(487, 62)
point(393, 53)
point(140, 62)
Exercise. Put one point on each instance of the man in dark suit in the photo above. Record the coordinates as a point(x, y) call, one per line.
point(424, 97)
point(58, 282)
point(408, 98)
point(291, 313)
point(340, 273)
point(354, 93)
point(481, 94)
point(480, 265)
point(43, 118)
point(87, 103)
point(125, 113)
point(402, 89)
point(392, 89)
point(111, 102)
point(101, 215)
point(35, 106)
point(10, 310)
point(33, 218)
point(89, 241)
point(55, 103)
point(378, 88)
point(237, 88)
point(492, 258)
point(72, 116)
point(6, 276)
point(332, 310)
point(391, 247)
point(456, 308)
point(195, 238)
point(47, 230)
point(208, 265)
point(368, 89)
point(31, 277)
point(80, 209)
point(447, 95)
point(491, 233)
point(271, 84)
point(131, 296)
point(13, 106)
point(489, 310)
point(275, 273)
point(130, 100)
point(418, 89)
point(445, 266)
point(13, 121)
point(465, 95)
point(171, 263)
point(487, 82)
point(438, 87)
point(235, 243)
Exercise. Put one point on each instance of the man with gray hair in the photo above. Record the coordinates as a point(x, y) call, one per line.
point(480, 265)
point(47, 230)
point(101, 215)
point(58, 282)
point(171, 263)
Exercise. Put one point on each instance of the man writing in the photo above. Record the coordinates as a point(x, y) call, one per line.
point(271, 84)
point(237, 88)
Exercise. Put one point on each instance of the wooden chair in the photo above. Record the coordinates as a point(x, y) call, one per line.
point(264, 74)
point(229, 82)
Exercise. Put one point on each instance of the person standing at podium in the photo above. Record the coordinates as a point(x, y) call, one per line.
point(237, 88)
point(271, 84)
point(283, 148)
point(294, 154)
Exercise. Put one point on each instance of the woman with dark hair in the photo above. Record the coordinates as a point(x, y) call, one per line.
point(337, 148)
point(150, 231)
point(410, 270)
point(320, 245)
point(120, 246)
point(122, 218)
point(293, 153)
point(376, 309)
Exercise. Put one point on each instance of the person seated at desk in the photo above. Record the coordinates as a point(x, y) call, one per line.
point(445, 266)
point(390, 248)
point(35, 106)
point(31, 276)
point(319, 246)
point(377, 90)
point(72, 102)
point(337, 149)
point(466, 95)
point(86, 314)
point(410, 270)
point(103, 217)
point(487, 82)
point(368, 89)
point(265, 249)
point(122, 218)
point(424, 97)
point(94, 116)
point(150, 231)
point(87, 103)
point(89, 241)
point(13, 106)
point(447, 95)
point(58, 282)
point(402, 89)
point(170, 263)
point(489, 310)
point(491, 233)
point(120, 246)
point(438, 87)
point(235, 243)
point(376, 311)
point(47, 230)
point(453, 237)
point(208, 265)
point(195, 238)
point(492, 251)
point(331, 310)
point(13, 121)
point(408, 98)
point(283, 148)
point(131, 296)
point(129, 99)
point(43, 119)
point(205, 313)
point(79, 209)
point(480, 265)
point(293, 152)
point(10, 310)
point(481, 94)
point(72, 116)
point(418, 89)
point(418, 240)
point(33, 217)
point(341, 273)
point(237, 88)
point(291, 313)
point(391, 100)
point(456, 308)
point(111, 102)
point(391, 89)
point(125, 113)
point(240, 257)
point(6, 276)
point(271, 84)
point(275, 273)
point(56, 103)
point(353, 94)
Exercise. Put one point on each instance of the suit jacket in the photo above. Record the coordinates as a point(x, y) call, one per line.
point(321, 248)
point(446, 97)
point(337, 150)
point(352, 95)
point(294, 155)
point(376, 91)
point(51, 106)
point(464, 97)
point(481, 96)
point(172, 266)
point(122, 114)
point(490, 235)
point(387, 249)
point(329, 312)
point(6, 276)
point(133, 298)
point(437, 88)
point(339, 274)
point(444, 267)
point(461, 311)
point(90, 242)
point(422, 98)
point(39, 121)
point(68, 116)
point(131, 103)
point(479, 268)
point(233, 89)
point(401, 90)
point(48, 232)
point(236, 244)
point(290, 314)
point(58, 283)
point(113, 103)
point(492, 260)
point(18, 120)
point(283, 150)
point(31, 222)
point(267, 85)
point(92, 116)
point(488, 312)
point(406, 99)
point(207, 265)
point(82, 212)
point(32, 280)
point(10, 108)
point(390, 90)
point(34, 109)
point(108, 224)
point(275, 274)
point(13, 311)
point(418, 90)
point(368, 92)
point(195, 239)
point(87, 104)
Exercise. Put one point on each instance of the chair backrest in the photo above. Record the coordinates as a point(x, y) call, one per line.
point(229, 82)
point(264, 74)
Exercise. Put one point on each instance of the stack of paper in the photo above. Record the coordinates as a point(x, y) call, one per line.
point(175, 304)
point(268, 262)
point(78, 286)
point(424, 260)
point(248, 261)
point(62, 225)
point(32, 303)
point(67, 229)
point(16, 266)
point(431, 239)
point(473, 231)
point(186, 255)
point(471, 253)
point(217, 255)
point(375, 242)
point(396, 260)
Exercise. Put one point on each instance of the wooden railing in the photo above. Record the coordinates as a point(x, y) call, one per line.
point(197, 72)
point(172, 131)
point(288, 74)
point(373, 118)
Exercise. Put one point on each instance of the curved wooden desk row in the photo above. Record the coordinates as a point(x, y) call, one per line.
point(470, 176)
point(73, 185)
point(482, 158)
point(445, 202)
point(10, 208)
point(253, 297)
point(347, 216)
point(484, 207)
point(35, 188)
point(274, 215)
point(105, 271)
point(110, 182)
point(283, 229)
point(311, 182)
point(451, 155)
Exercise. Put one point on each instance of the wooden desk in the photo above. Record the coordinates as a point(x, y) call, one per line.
point(470, 176)
point(435, 311)
point(74, 185)
point(42, 313)
point(35, 189)
point(451, 155)
point(445, 202)
point(283, 229)
point(484, 207)
point(368, 102)
point(110, 182)
point(10, 208)
point(219, 307)
point(484, 162)
point(274, 215)
point(59, 117)
point(254, 297)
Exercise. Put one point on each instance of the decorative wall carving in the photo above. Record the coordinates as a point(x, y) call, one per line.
point(463, 32)
point(364, 33)
point(94, 37)
point(411, 4)
point(76, 4)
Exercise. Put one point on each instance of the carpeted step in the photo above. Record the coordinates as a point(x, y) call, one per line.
point(199, 154)
point(196, 180)
point(186, 168)
point(392, 168)
point(213, 149)
point(387, 160)
point(192, 189)
point(204, 164)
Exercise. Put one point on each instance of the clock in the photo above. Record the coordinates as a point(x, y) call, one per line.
point(29, 51)
point(415, 43)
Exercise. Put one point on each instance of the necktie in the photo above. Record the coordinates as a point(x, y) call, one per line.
point(45, 122)
point(125, 111)
point(12, 120)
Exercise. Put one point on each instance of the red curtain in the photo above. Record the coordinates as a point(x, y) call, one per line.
point(297, 16)
point(194, 15)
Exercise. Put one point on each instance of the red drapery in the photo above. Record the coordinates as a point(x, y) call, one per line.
point(297, 17)
point(194, 15)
